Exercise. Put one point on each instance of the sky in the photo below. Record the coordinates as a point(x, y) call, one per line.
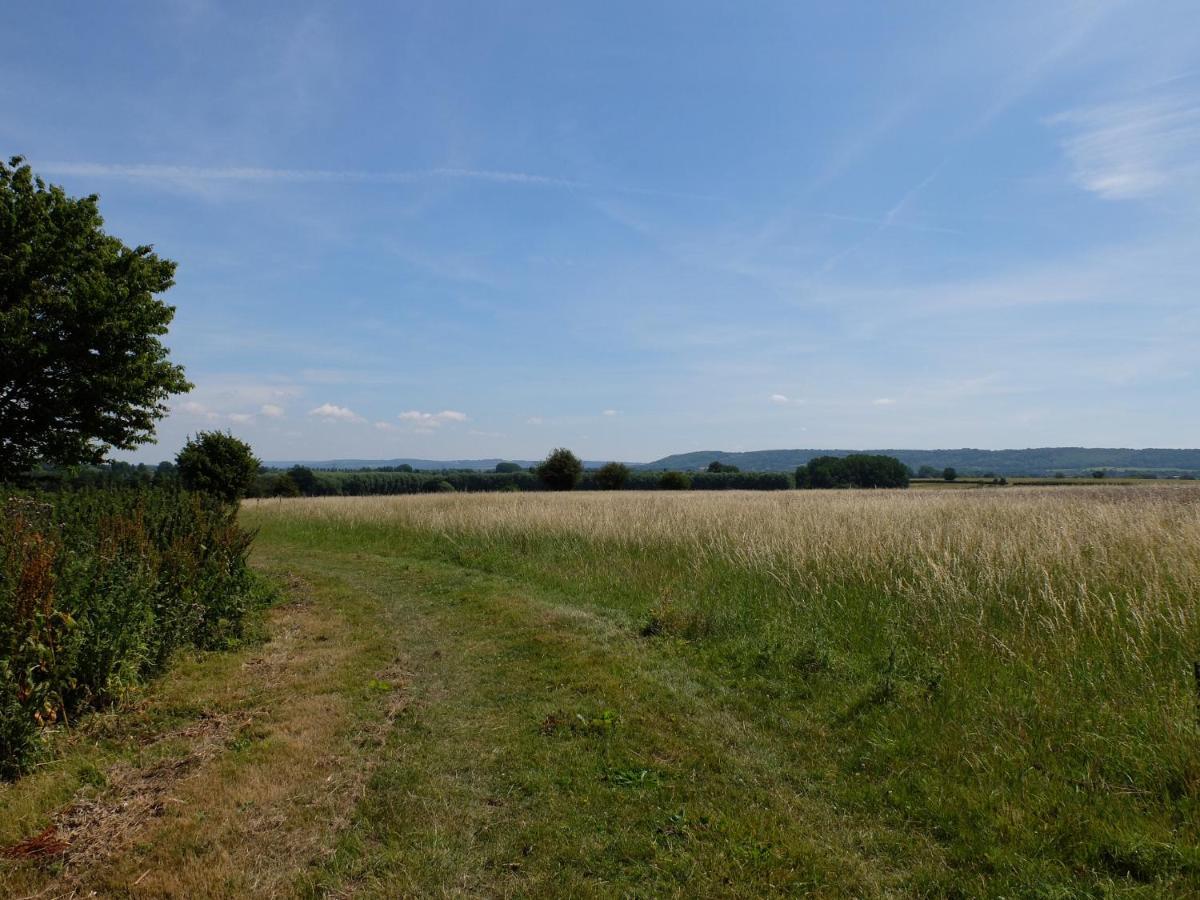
point(457, 230)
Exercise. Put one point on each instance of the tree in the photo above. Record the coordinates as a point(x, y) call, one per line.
point(561, 470)
point(717, 466)
point(1098, 473)
point(305, 479)
point(284, 486)
point(863, 470)
point(217, 463)
point(612, 476)
point(82, 366)
point(674, 481)
point(949, 473)
point(507, 467)
point(927, 472)
point(820, 472)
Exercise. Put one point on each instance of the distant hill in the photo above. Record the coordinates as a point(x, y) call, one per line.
point(1034, 461)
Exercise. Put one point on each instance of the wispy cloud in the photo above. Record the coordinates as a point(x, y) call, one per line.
point(172, 173)
point(883, 401)
point(271, 410)
point(1133, 148)
point(432, 420)
point(780, 398)
point(611, 412)
point(177, 173)
point(534, 420)
point(334, 413)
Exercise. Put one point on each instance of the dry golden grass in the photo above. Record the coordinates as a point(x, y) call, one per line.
point(1118, 563)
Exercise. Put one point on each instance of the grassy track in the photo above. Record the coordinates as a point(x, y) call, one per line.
point(645, 696)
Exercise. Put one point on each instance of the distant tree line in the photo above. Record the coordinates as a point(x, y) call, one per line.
point(860, 470)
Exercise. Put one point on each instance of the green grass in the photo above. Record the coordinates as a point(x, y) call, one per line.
point(835, 748)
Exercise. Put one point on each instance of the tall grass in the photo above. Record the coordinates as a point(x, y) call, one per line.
point(98, 589)
point(1011, 671)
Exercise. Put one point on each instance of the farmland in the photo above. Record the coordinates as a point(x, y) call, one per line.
point(938, 692)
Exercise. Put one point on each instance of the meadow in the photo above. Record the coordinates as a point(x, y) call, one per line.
point(1008, 674)
point(867, 693)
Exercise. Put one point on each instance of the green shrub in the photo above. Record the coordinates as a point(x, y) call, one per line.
point(98, 589)
point(219, 464)
point(674, 481)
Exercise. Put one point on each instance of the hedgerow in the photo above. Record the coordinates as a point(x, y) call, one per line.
point(98, 589)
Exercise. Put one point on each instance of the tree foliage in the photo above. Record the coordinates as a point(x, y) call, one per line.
point(717, 467)
point(674, 481)
point(219, 464)
point(949, 473)
point(82, 366)
point(561, 470)
point(305, 479)
point(507, 467)
point(862, 470)
point(611, 476)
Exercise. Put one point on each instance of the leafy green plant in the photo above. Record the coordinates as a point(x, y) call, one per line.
point(99, 589)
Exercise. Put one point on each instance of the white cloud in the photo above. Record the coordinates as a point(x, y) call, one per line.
point(780, 398)
point(386, 426)
point(241, 418)
point(1133, 148)
point(534, 420)
point(332, 412)
point(432, 420)
point(186, 173)
point(271, 410)
point(199, 409)
point(883, 401)
point(610, 412)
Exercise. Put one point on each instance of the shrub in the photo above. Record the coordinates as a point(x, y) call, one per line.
point(611, 476)
point(98, 589)
point(674, 481)
point(561, 470)
point(217, 463)
point(949, 473)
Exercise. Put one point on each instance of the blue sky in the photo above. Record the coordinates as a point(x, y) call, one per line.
point(475, 229)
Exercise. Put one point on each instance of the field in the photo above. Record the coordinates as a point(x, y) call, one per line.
point(935, 692)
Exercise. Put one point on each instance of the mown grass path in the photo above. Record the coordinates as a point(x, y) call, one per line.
point(416, 728)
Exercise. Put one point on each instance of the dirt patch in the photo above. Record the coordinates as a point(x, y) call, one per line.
point(91, 830)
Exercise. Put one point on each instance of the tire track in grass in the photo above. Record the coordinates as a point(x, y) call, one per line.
point(547, 751)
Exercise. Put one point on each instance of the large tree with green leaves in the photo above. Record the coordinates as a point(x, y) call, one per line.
point(82, 366)
point(560, 470)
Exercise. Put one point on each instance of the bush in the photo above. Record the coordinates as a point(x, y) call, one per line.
point(561, 470)
point(949, 473)
point(611, 476)
point(219, 464)
point(98, 589)
point(674, 481)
